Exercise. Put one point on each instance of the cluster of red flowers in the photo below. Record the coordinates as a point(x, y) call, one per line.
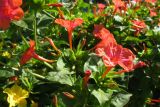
point(10, 10)
point(112, 53)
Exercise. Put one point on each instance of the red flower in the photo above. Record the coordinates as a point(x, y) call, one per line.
point(110, 55)
point(138, 25)
point(101, 32)
point(104, 34)
point(69, 25)
point(10, 10)
point(119, 6)
point(152, 12)
point(101, 8)
point(30, 53)
point(114, 54)
point(126, 59)
point(86, 78)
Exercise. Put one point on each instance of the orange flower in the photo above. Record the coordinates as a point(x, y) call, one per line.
point(30, 53)
point(69, 25)
point(10, 10)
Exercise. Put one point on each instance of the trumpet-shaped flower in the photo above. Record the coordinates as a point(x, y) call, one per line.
point(69, 25)
point(16, 96)
point(30, 53)
point(10, 10)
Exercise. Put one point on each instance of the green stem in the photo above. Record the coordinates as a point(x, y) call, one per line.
point(48, 14)
point(48, 65)
point(24, 39)
point(35, 30)
point(36, 75)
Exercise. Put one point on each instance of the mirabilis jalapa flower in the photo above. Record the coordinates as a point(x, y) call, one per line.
point(10, 10)
point(114, 54)
point(69, 25)
point(16, 96)
point(30, 53)
point(119, 5)
point(102, 33)
point(138, 26)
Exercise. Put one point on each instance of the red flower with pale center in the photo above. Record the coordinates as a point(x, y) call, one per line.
point(119, 5)
point(110, 55)
point(30, 53)
point(10, 10)
point(114, 54)
point(126, 59)
point(138, 25)
point(69, 25)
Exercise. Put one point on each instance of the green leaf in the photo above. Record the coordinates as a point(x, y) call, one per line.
point(132, 39)
point(118, 18)
point(6, 74)
point(20, 23)
point(60, 65)
point(101, 96)
point(93, 63)
point(121, 99)
point(60, 77)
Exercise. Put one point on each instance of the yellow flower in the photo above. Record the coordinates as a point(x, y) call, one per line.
point(16, 96)
point(6, 54)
